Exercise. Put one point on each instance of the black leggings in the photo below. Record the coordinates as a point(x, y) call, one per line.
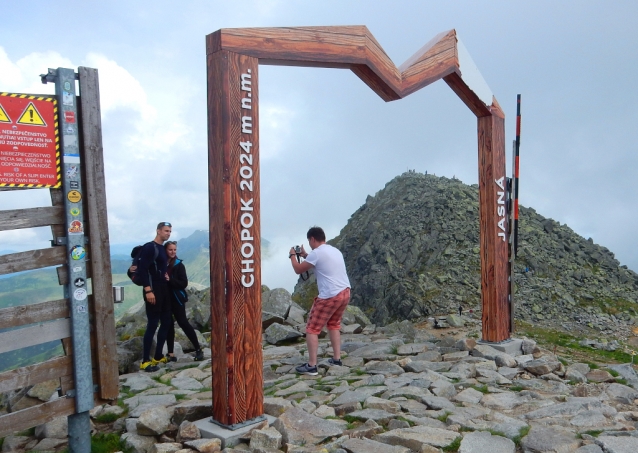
point(165, 322)
point(179, 312)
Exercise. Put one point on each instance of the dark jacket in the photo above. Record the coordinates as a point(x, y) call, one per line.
point(178, 281)
point(153, 268)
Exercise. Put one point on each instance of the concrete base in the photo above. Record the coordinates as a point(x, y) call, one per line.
point(511, 346)
point(229, 438)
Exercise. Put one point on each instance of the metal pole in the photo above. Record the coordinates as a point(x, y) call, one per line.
point(76, 289)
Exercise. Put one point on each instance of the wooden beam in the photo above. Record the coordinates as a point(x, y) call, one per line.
point(236, 248)
point(35, 374)
point(30, 218)
point(493, 226)
point(33, 259)
point(98, 233)
point(31, 314)
point(36, 415)
point(38, 334)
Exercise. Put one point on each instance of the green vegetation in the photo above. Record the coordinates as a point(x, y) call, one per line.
point(593, 433)
point(454, 446)
point(549, 338)
point(107, 418)
point(443, 418)
point(521, 433)
point(107, 443)
point(481, 388)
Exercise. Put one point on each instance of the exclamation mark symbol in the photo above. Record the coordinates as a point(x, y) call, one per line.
point(31, 114)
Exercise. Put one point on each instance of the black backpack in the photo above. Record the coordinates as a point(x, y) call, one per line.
point(136, 254)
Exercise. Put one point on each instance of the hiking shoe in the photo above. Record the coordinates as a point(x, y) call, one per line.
point(149, 366)
point(199, 355)
point(307, 369)
point(162, 360)
point(170, 358)
point(333, 361)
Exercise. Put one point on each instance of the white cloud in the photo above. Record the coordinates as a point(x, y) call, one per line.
point(275, 125)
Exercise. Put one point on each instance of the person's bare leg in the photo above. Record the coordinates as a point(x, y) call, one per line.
point(312, 340)
point(335, 341)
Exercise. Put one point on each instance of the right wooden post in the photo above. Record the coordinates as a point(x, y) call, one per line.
point(493, 225)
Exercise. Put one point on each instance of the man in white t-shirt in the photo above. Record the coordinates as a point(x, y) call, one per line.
point(334, 295)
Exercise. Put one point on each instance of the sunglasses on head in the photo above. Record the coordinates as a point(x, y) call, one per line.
point(164, 224)
point(171, 242)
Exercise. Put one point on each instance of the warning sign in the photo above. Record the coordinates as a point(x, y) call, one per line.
point(29, 141)
point(31, 116)
point(4, 118)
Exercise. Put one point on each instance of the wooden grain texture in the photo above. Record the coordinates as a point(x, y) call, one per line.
point(98, 233)
point(33, 259)
point(57, 200)
point(33, 217)
point(30, 314)
point(37, 334)
point(493, 249)
point(36, 415)
point(35, 374)
point(355, 48)
point(235, 308)
point(219, 228)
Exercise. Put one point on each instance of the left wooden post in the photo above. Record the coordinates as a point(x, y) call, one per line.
point(235, 236)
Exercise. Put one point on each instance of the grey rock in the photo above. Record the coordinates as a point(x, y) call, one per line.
point(359, 317)
point(58, 428)
point(205, 445)
point(154, 421)
point(372, 351)
point(370, 446)
point(503, 401)
point(622, 393)
point(186, 383)
point(545, 439)
point(437, 403)
point(192, 410)
point(412, 348)
point(280, 352)
point(49, 444)
point(541, 366)
point(297, 427)
point(347, 397)
point(417, 437)
point(188, 431)
point(277, 301)
point(611, 444)
point(469, 395)
point(267, 438)
point(168, 447)
point(591, 448)
point(384, 367)
point(481, 442)
point(429, 356)
point(278, 333)
point(589, 419)
point(378, 415)
point(139, 444)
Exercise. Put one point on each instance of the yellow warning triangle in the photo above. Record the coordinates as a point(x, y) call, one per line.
point(4, 118)
point(31, 116)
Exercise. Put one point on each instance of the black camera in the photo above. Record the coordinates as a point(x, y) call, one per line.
point(298, 249)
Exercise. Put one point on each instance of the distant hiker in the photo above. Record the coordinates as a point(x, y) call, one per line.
point(152, 271)
point(460, 310)
point(436, 324)
point(177, 282)
point(334, 295)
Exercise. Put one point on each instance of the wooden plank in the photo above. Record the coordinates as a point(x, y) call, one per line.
point(57, 200)
point(33, 259)
point(30, 218)
point(38, 334)
point(98, 232)
point(63, 271)
point(36, 415)
point(34, 374)
point(30, 314)
point(493, 227)
point(355, 48)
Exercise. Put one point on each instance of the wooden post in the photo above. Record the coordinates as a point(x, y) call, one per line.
point(233, 149)
point(493, 225)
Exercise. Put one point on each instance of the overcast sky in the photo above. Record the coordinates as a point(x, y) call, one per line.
point(327, 141)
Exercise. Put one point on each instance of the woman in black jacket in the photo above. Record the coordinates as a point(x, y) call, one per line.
point(177, 282)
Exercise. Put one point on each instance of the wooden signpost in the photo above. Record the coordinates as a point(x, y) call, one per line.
point(233, 58)
point(56, 143)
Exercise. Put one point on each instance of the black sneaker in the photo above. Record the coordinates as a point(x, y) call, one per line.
point(170, 358)
point(332, 361)
point(149, 366)
point(199, 355)
point(307, 369)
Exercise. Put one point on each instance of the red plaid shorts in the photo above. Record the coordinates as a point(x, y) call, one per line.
point(327, 311)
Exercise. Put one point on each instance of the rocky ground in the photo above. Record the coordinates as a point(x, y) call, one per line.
point(401, 389)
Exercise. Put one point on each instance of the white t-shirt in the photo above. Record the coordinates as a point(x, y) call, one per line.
point(330, 270)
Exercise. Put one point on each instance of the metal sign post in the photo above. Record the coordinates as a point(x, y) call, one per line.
point(76, 289)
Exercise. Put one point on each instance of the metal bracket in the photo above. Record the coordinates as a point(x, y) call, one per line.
point(71, 393)
point(58, 241)
point(48, 77)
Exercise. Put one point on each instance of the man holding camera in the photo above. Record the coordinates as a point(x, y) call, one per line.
point(334, 295)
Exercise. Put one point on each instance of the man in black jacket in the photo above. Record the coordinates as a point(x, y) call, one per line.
point(152, 271)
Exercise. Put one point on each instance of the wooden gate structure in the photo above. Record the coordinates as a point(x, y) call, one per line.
point(233, 58)
point(42, 322)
